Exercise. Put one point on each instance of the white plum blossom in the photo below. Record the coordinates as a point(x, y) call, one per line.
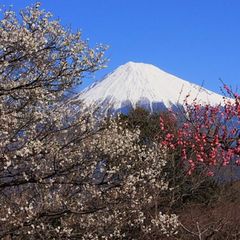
point(49, 152)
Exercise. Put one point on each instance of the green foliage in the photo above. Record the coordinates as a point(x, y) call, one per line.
point(147, 122)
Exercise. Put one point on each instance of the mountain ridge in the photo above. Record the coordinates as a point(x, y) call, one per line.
point(144, 85)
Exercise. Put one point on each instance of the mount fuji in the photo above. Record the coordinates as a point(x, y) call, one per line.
point(144, 85)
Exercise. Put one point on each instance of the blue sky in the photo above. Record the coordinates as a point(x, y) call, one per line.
point(197, 40)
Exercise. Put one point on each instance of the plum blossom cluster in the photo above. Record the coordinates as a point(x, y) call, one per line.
point(206, 135)
point(65, 174)
point(128, 182)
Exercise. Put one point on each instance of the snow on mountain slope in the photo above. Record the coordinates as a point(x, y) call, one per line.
point(140, 84)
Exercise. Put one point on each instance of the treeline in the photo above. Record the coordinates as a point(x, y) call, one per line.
point(205, 199)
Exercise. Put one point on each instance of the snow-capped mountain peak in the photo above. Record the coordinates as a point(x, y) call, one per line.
point(139, 84)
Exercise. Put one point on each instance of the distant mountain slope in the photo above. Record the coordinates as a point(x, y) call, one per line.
point(144, 85)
